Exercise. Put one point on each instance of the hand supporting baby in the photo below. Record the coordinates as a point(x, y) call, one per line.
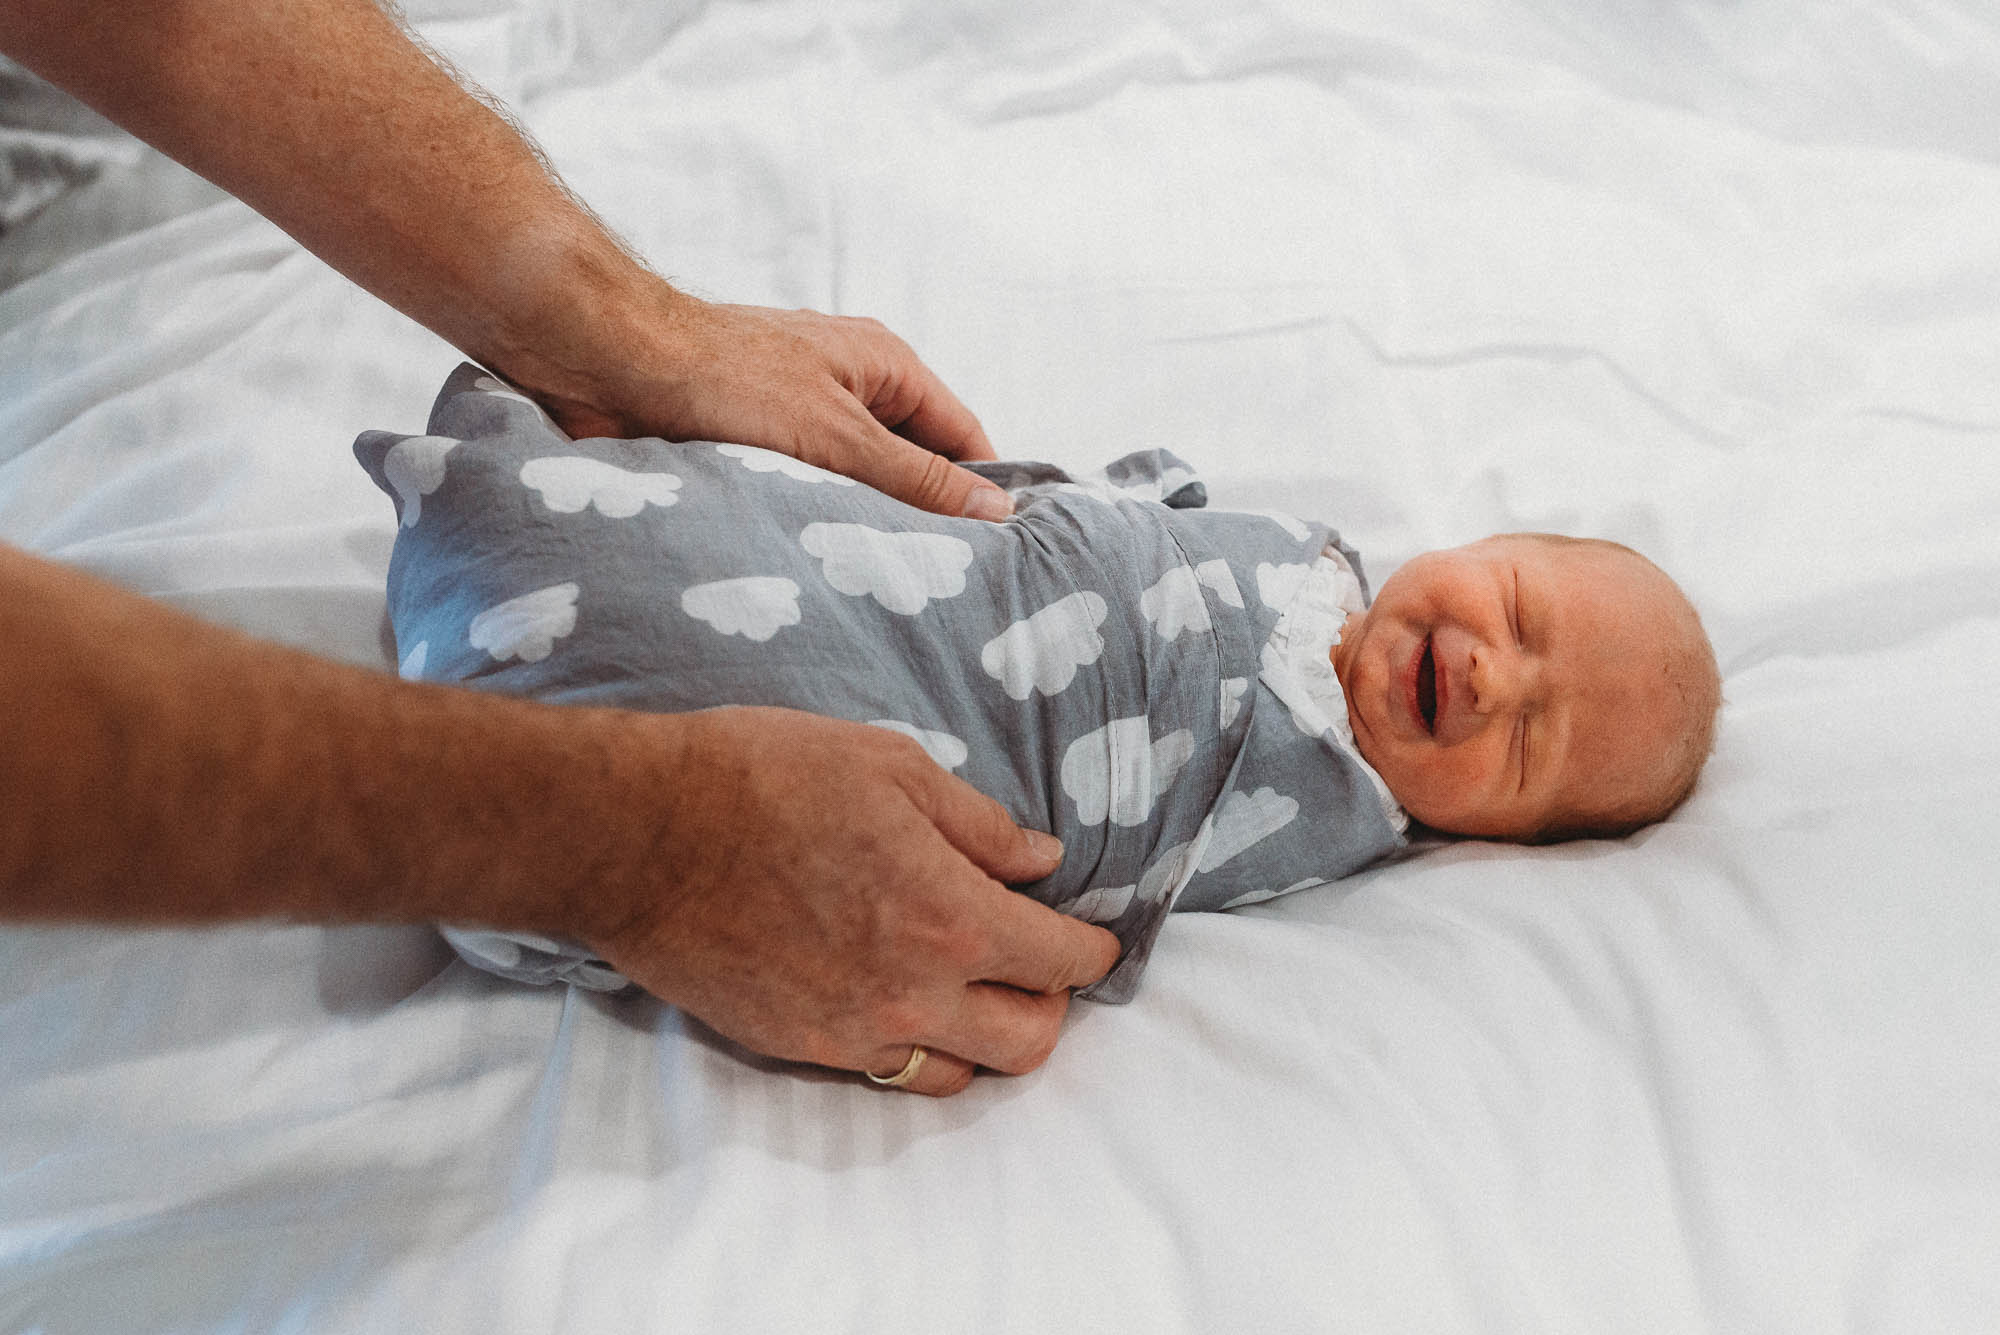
point(831, 390)
point(825, 893)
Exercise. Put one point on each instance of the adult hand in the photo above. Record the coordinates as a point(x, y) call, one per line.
point(842, 393)
point(818, 890)
point(456, 220)
point(837, 897)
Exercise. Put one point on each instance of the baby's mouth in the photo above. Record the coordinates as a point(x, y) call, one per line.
point(1427, 703)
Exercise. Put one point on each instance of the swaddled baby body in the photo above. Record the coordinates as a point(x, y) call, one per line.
point(1189, 699)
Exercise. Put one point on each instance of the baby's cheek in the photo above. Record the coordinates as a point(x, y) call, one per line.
point(1382, 758)
point(1447, 788)
point(1403, 772)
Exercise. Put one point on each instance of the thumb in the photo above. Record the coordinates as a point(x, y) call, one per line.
point(915, 476)
point(980, 828)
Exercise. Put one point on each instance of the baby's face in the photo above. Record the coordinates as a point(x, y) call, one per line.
point(1514, 682)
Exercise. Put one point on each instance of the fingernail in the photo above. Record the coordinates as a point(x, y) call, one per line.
point(1046, 846)
point(989, 503)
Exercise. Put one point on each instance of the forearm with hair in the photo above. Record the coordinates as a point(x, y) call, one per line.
point(155, 768)
point(326, 117)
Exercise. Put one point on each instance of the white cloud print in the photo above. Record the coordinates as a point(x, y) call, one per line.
point(1103, 903)
point(770, 461)
point(1095, 488)
point(901, 571)
point(1174, 604)
point(1042, 652)
point(1276, 584)
point(1246, 819)
point(947, 750)
point(1232, 697)
point(1159, 883)
point(486, 384)
point(1120, 770)
point(753, 606)
point(1158, 488)
point(1216, 574)
point(415, 468)
point(1170, 872)
point(1259, 896)
point(570, 483)
point(527, 627)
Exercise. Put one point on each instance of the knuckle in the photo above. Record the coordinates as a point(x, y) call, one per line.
point(1062, 972)
point(860, 853)
point(926, 784)
point(961, 947)
point(901, 750)
point(896, 1020)
point(934, 483)
point(1039, 1028)
point(1049, 982)
point(1040, 1049)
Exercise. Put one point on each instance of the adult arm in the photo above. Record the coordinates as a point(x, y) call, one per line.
point(814, 889)
point(325, 116)
point(818, 890)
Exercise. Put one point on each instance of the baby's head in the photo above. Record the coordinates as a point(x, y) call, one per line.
point(1531, 687)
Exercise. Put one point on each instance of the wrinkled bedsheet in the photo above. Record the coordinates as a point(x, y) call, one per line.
point(1715, 281)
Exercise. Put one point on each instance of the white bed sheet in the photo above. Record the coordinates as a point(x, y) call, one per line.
point(1718, 281)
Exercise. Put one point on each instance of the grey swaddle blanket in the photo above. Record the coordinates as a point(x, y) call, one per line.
point(1098, 663)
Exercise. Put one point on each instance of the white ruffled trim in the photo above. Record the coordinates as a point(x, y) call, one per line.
point(1298, 663)
point(530, 958)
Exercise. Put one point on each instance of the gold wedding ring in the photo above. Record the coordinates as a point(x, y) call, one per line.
point(904, 1076)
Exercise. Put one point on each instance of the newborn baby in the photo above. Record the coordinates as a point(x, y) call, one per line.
point(1202, 705)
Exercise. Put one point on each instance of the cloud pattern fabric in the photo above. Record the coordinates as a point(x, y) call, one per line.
point(1095, 663)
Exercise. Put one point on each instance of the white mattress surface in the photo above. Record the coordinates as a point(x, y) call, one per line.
point(1715, 281)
